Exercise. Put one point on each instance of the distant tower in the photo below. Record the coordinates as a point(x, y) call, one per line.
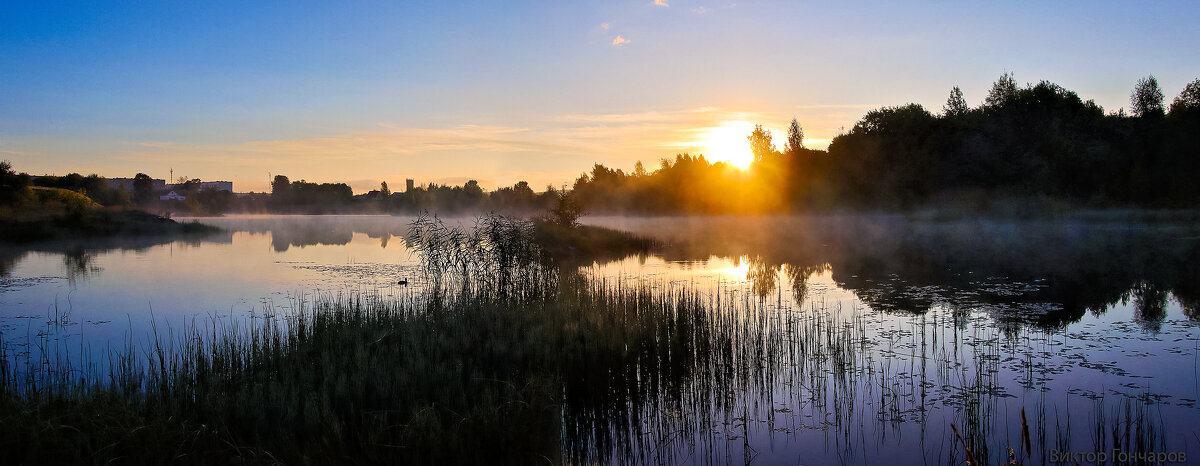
point(172, 178)
point(408, 185)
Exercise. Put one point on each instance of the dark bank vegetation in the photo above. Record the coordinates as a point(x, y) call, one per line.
point(74, 207)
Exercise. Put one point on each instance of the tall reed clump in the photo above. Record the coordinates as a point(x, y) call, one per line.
point(498, 256)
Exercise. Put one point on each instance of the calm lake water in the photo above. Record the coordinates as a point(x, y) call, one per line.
point(1091, 326)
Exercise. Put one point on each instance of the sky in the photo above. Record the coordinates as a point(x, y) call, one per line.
point(500, 92)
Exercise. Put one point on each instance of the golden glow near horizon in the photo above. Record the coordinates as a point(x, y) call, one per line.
point(727, 143)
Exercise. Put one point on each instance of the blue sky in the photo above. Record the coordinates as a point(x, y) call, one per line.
point(507, 91)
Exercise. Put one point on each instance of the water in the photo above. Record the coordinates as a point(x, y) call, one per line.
point(893, 329)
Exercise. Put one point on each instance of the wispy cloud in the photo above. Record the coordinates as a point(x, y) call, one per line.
point(605, 26)
point(619, 41)
point(661, 3)
point(836, 106)
point(674, 118)
point(20, 153)
point(623, 118)
point(701, 10)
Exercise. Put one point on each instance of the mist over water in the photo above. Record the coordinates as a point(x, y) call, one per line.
point(854, 339)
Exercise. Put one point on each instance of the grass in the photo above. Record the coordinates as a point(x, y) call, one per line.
point(92, 223)
point(61, 214)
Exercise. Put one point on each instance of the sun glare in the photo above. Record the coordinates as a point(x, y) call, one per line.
point(728, 143)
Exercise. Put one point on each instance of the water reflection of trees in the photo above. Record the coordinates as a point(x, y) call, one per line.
point(1043, 273)
point(9, 257)
point(80, 264)
point(1149, 305)
point(79, 256)
point(308, 230)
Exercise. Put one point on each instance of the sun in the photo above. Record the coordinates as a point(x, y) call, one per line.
point(727, 143)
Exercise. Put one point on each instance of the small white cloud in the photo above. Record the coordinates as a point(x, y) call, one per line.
point(605, 26)
point(701, 10)
point(661, 2)
point(619, 41)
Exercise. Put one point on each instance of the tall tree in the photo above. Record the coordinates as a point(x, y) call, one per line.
point(567, 211)
point(280, 186)
point(472, 189)
point(143, 187)
point(760, 143)
point(1147, 98)
point(955, 105)
point(1003, 90)
point(795, 138)
point(1189, 99)
point(384, 192)
point(11, 182)
point(282, 194)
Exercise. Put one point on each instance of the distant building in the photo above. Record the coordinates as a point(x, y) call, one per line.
point(217, 185)
point(172, 196)
point(408, 185)
point(214, 185)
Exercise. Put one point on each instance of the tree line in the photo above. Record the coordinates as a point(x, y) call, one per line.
point(305, 197)
point(1036, 142)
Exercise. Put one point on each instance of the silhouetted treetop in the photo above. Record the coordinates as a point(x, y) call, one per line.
point(1189, 99)
point(795, 138)
point(1003, 90)
point(280, 186)
point(893, 119)
point(11, 182)
point(760, 143)
point(1147, 98)
point(955, 105)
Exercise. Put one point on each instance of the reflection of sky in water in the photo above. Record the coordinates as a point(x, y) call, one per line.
point(1111, 354)
point(177, 282)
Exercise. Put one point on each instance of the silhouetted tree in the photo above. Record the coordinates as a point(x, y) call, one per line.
point(567, 211)
point(638, 169)
point(1003, 91)
point(795, 138)
point(11, 183)
point(1189, 99)
point(474, 194)
point(955, 105)
point(1146, 99)
point(281, 192)
point(280, 187)
point(384, 192)
point(760, 143)
point(143, 187)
